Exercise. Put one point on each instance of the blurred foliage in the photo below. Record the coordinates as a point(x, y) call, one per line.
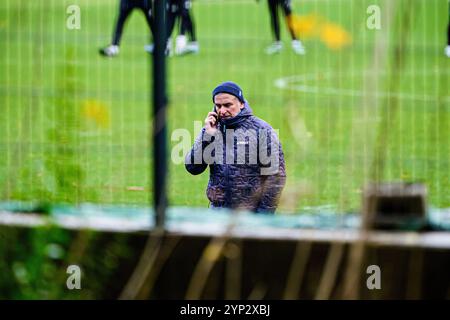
point(66, 166)
point(33, 263)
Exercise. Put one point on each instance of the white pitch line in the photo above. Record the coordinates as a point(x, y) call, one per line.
point(298, 83)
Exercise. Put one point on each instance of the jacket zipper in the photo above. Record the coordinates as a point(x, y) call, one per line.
point(227, 178)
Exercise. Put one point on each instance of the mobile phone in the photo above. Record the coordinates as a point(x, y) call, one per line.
point(217, 114)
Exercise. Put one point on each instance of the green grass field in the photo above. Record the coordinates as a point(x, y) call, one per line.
point(75, 126)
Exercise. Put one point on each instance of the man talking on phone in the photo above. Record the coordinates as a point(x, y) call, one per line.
point(244, 155)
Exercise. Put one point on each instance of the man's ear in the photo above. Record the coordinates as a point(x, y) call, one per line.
point(242, 104)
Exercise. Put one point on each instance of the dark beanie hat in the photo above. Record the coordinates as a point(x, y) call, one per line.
point(229, 87)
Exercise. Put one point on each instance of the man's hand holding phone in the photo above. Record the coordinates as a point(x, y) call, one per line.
point(211, 123)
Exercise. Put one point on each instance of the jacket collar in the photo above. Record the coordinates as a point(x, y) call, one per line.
point(239, 118)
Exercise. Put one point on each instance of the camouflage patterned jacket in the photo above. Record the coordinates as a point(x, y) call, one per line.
point(246, 161)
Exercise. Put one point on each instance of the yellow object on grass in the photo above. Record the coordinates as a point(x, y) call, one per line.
point(97, 112)
point(331, 34)
point(304, 26)
point(334, 36)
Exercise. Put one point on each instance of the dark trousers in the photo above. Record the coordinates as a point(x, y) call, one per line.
point(448, 33)
point(448, 28)
point(187, 23)
point(275, 23)
point(125, 8)
point(180, 9)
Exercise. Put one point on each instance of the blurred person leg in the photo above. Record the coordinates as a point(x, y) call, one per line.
point(173, 13)
point(125, 8)
point(296, 44)
point(187, 27)
point(147, 9)
point(276, 46)
point(447, 49)
point(171, 19)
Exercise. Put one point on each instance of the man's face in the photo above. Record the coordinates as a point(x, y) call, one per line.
point(227, 105)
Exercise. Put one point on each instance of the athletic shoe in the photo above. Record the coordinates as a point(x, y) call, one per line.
point(149, 48)
point(275, 47)
point(297, 46)
point(193, 47)
point(110, 51)
point(180, 44)
point(447, 51)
